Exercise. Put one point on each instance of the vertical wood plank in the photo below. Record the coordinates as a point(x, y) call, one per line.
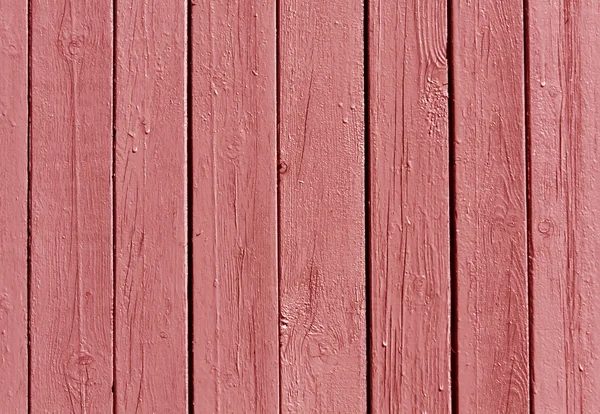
point(410, 246)
point(322, 210)
point(492, 298)
point(71, 208)
point(13, 205)
point(564, 89)
point(236, 343)
point(150, 207)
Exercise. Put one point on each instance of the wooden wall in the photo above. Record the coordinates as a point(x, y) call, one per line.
point(298, 206)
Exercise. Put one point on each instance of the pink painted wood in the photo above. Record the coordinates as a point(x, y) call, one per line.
point(150, 207)
point(322, 208)
point(564, 85)
point(279, 239)
point(71, 207)
point(410, 244)
point(234, 119)
point(491, 250)
point(13, 206)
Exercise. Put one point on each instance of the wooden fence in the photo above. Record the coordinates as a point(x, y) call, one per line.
point(262, 206)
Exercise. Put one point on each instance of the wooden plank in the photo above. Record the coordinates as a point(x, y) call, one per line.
point(565, 183)
point(13, 205)
point(236, 343)
point(322, 210)
point(150, 206)
point(410, 245)
point(71, 209)
point(491, 250)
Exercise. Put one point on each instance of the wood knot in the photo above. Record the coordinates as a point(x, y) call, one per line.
point(235, 147)
point(546, 227)
point(75, 46)
point(79, 359)
point(81, 377)
point(78, 362)
point(282, 167)
point(71, 43)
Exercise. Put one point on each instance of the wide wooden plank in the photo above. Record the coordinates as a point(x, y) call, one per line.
point(564, 86)
point(71, 206)
point(13, 205)
point(491, 249)
point(322, 206)
point(410, 245)
point(234, 121)
point(150, 207)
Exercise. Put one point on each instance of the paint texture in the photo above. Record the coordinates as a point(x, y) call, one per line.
point(150, 207)
point(490, 200)
point(264, 206)
point(409, 174)
point(565, 215)
point(322, 206)
point(13, 206)
point(71, 286)
point(234, 224)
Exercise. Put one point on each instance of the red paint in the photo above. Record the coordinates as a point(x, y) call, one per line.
point(13, 206)
point(491, 248)
point(71, 207)
point(150, 207)
point(322, 208)
point(410, 261)
point(565, 184)
point(234, 120)
point(276, 169)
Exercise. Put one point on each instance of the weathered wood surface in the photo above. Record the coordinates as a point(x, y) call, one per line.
point(151, 340)
point(322, 206)
point(410, 239)
point(71, 206)
point(271, 157)
point(13, 205)
point(564, 86)
point(491, 251)
point(234, 224)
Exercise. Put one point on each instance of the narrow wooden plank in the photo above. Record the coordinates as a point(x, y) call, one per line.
point(491, 250)
point(13, 205)
point(71, 208)
point(236, 343)
point(410, 245)
point(564, 87)
point(322, 210)
point(150, 207)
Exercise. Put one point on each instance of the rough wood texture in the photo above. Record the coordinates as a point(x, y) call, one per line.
point(410, 245)
point(564, 86)
point(13, 206)
point(150, 207)
point(71, 209)
point(322, 210)
point(236, 345)
point(492, 305)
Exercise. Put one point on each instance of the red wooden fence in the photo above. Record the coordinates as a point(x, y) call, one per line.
point(239, 206)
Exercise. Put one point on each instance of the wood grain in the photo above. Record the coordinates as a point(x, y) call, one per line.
point(564, 86)
point(150, 207)
point(410, 245)
point(71, 210)
point(13, 205)
point(322, 210)
point(234, 119)
point(491, 251)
